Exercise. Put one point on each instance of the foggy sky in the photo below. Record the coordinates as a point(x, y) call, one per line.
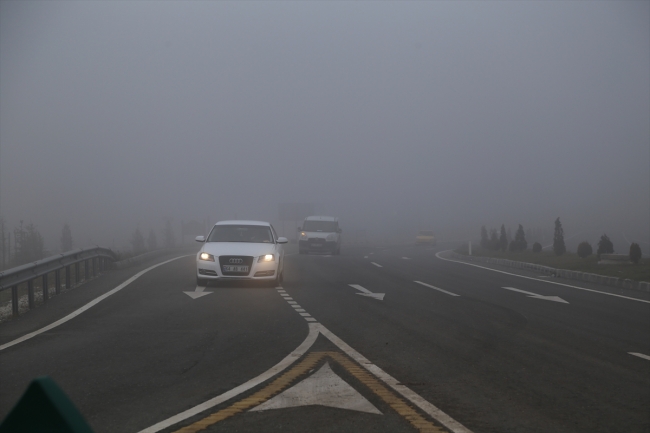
point(441, 115)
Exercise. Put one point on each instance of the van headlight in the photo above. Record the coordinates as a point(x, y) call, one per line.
point(303, 235)
point(331, 237)
point(266, 258)
point(207, 257)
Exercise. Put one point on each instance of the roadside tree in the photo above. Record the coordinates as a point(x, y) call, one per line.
point(559, 247)
point(585, 249)
point(152, 240)
point(66, 238)
point(520, 239)
point(605, 246)
point(537, 247)
point(635, 253)
point(503, 238)
point(137, 242)
point(484, 237)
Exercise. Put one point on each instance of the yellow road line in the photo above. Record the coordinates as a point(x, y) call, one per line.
point(310, 361)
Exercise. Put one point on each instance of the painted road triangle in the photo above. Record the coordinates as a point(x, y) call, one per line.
point(323, 388)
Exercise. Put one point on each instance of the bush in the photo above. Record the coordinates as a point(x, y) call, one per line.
point(635, 253)
point(537, 247)
point(584, 249)
point(605, 246)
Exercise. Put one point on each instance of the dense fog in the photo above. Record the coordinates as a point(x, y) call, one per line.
point(393, 116)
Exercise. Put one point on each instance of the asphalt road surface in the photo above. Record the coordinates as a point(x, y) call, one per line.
point(376, 339)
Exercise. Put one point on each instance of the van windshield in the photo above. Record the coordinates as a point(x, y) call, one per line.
point(320, 226)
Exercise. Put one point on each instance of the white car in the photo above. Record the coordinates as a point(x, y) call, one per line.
point(240, 250)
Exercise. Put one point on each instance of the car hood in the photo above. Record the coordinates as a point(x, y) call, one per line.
point(237, 248)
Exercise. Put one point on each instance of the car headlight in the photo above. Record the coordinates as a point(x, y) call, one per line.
point(331, 237)
point(207, 257)
point(303, 235)
point(266, 258)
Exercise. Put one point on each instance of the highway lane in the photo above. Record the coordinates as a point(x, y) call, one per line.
point(513, 363)
point(493, 359)
point(149, 350)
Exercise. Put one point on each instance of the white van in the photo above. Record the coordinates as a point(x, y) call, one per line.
point(320, 233)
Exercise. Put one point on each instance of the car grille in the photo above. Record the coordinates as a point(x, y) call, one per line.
point(239, 261)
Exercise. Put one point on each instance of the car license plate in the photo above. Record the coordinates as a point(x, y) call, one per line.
point(229, 268)
point(316, 245)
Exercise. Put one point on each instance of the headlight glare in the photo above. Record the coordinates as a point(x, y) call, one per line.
point(266, 258)
point(207, 257)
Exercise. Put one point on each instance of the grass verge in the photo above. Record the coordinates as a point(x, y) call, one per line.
point(570, 261)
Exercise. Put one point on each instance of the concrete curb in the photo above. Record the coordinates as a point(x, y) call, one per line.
point(560, 273)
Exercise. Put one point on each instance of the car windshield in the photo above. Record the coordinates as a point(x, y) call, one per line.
point(240, 233)
point(320, 226)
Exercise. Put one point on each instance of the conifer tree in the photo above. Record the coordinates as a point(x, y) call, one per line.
point(605, 246)
point(66, 238)
point(558, 238)
point(484, 237)
point(503, 239)
point(520, 239)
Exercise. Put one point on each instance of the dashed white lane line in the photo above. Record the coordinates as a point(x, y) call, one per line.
point(436, 288)
point(406, 258)
point(88, 305)
point(380, 374)
point(365, 257)
point(640, 355)
point(537, 279)
point(377, 264)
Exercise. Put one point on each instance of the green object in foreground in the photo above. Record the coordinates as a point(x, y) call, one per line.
point(44, 407)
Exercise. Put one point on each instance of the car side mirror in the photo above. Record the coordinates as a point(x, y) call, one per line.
point(282, 240)
point(200, 238)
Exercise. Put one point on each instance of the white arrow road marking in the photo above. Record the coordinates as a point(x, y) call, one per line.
point(406, 258)
point(536, 296)
point(323, 388)
point(366, 292)
point(197, 293)
point(377, 264)
point(436, 288)
point(640, 355)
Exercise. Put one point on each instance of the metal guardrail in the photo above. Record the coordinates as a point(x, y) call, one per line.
point(94, 260)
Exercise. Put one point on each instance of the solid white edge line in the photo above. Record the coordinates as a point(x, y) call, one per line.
point(543, 281)
point(405, 391)
point(640, 355)
point(87, 306)
point(436, 288)
point(377, 264)
point(279, 367)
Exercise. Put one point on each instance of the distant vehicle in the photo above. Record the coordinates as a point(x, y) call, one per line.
point(240, 250)
point(320, 233)
point(425, 237)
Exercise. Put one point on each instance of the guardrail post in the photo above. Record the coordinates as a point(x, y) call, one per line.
point(94, 261)
point(68, 275)
point(46, 291)
point(14, 301)
point(86, 270)
point(57, 281)
point(77, 273)
point(101, 265)
point(30, 294)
